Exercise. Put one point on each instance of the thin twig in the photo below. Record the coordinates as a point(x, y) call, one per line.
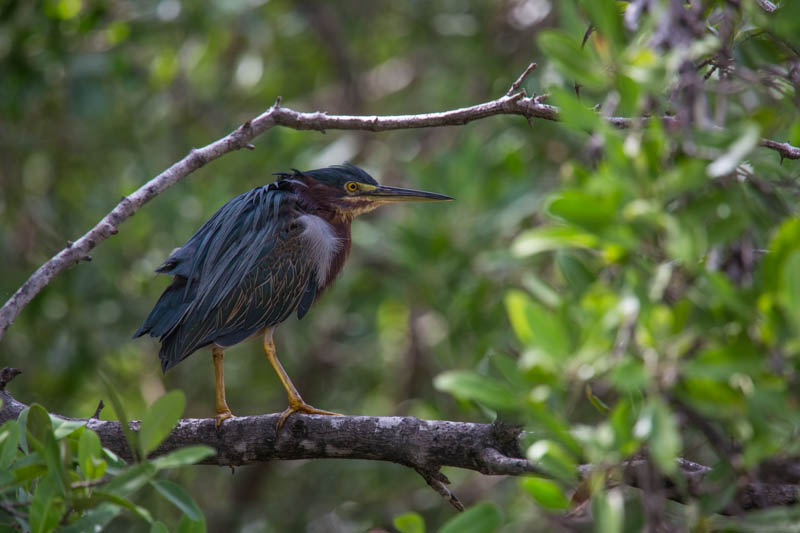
point(517, 84)
point(438, 481)
point(100, 406)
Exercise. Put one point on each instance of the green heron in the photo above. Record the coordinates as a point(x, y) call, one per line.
point(262, 256)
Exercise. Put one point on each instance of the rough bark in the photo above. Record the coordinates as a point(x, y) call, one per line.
point(424, 445)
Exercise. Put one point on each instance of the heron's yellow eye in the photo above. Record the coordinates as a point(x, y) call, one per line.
point(351, 186)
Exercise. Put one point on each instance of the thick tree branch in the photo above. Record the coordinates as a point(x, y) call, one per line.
point(515, 102)
point(424, 445)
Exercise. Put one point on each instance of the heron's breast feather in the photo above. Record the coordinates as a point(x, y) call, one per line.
point(322, 242)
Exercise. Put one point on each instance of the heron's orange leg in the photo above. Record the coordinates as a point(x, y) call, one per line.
point(296, 403)
point(223, 411)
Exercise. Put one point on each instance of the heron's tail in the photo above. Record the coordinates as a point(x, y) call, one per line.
point(165, 318)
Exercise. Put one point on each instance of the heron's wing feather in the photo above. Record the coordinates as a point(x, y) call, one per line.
point(244, 276)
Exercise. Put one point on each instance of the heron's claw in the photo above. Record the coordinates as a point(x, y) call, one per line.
point(222, 416)
point(301, 407)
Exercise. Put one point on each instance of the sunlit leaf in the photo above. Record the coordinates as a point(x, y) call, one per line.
point(546, 238)
point(63, 428)
point(608, 510)
point(571, 59)
point(537, 326)
point(665, 439)
point(606, 16)
point(409, 523)
point(551, 459)
point(589, 211)
point(545, 492)
point(468, 385)
point(727, 162)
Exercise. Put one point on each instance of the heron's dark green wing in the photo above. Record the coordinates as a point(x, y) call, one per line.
point(265, 296)
point(247, 268)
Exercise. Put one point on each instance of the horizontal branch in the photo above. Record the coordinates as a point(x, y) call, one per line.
point(514, 102)
point(424, 445)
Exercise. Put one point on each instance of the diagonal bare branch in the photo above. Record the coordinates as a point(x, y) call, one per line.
point(512, 103)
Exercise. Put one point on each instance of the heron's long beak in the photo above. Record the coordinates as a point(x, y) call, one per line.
point(384, 193)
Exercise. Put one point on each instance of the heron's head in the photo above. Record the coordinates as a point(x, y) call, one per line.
point(350, 191)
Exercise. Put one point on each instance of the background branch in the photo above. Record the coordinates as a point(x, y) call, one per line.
point(513, 103)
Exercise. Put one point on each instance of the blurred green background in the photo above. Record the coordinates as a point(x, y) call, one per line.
point(97, 97)
point(619, 292)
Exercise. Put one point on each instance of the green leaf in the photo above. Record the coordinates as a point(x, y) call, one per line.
point(52, 456)
point(159, 420)
point(187, 525)
point(606, 16)
point(537, 326)
point(178, 496)
point(38, 426)
point(94, 520)
point(116, 403)
point(665, 439)
point(727, 162)
point(63, 428)
point(159, 527)
point(574, 271)
point(510, 370)
point(41, 437)
point(9, 441)
point(608, 509)
point(598, 404)
point(551, 458)
point(546, 238)
point(571, 59)
point(89, 455)
point(185, 456)
point(409, 523)
point(589, 211)
point(468, 385)
point(22, 420)
point(141, 512)
point(545, 492)
point(46, 506)
point(131, 479)
point(480, 518)
point(790, 287)
point(576, 114)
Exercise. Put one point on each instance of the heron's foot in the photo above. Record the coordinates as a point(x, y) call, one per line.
point(222, 416)
point(299, 406)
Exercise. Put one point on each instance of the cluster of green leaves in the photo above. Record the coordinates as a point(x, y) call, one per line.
point(664, 274)
point(54, 473)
